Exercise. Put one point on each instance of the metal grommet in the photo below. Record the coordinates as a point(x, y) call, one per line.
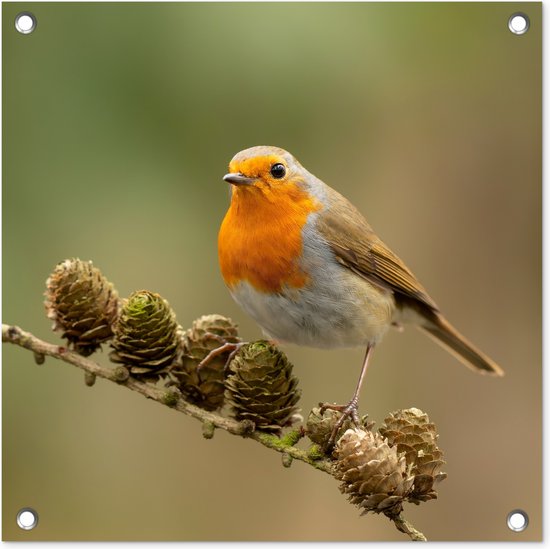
point(25, 22)
point(27, 518)
point(518, 23)
point(517, 520)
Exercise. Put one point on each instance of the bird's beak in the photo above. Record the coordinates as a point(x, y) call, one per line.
point(238, 179)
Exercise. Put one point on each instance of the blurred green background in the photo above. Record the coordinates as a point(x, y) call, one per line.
point(119, 123)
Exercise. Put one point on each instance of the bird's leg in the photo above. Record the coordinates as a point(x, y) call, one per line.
point(224, 347)
point(349, 409)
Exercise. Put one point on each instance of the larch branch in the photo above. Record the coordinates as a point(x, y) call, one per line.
point(172, 399)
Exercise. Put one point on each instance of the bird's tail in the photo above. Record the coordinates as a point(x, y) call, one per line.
point(456, 343)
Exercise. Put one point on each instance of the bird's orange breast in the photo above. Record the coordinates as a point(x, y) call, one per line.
point(260, 239)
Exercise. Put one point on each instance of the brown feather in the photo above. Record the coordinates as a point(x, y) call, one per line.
point(357, 247)
point(447, 336)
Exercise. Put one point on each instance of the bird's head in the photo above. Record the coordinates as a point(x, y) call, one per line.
point(269, 169)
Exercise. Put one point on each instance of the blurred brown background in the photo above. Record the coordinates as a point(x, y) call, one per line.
point(119, 122)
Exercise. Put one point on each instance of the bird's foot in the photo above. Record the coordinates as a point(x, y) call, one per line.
point(232, 348)
point(348, 410)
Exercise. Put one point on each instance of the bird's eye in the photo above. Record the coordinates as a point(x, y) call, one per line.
point(278, 171)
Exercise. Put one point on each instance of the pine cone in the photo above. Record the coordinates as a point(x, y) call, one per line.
point(146, 335)
point(205, 387)
point(411, 432)
point(319, 426)
point(373, 474)
point(82, 303)
point(261, 387)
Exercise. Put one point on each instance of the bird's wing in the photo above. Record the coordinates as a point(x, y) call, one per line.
point(357, 247)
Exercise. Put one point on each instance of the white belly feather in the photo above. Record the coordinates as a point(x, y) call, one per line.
point(337, 308)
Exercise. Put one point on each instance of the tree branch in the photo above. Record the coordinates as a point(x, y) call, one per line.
point(169, 397)
point(172, 398)
point(407, 528)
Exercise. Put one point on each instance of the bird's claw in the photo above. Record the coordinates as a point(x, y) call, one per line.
point(347, 410)
point(232, 348)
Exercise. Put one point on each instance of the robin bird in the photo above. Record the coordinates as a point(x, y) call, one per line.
point(302, 261)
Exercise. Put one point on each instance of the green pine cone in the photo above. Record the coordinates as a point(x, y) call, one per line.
point(261, 387)
point(147, 335)
point(82, 303)
point(411, 432)
point(205, 387)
